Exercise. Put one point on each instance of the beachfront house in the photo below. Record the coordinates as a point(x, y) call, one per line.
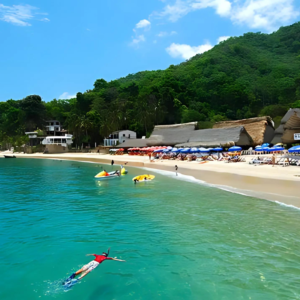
point(260, 129)
point(170, 135)
point(288, 132)
point(118, 137)
point(224, 137)
point(57, 144)
point(52, 128)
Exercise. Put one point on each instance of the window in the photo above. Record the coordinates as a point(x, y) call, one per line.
point(129, 135)
point(57, 123)
point(123, 141)
point(52, 123)
point(64, 140)
point(124, 134)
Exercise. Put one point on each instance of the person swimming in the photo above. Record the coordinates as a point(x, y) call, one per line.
point(91, 266)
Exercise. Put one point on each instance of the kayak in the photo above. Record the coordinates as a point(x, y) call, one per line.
point(102, 176)
point(142, 178)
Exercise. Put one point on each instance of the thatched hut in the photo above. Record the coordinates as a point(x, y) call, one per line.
point(290, 124)
point(170, 135)
point(261, 129)
point(133, 143)
point(225, 137)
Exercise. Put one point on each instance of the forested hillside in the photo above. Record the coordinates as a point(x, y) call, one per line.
point(255, 74)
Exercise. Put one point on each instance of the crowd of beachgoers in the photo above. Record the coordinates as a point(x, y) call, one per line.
point(232, 154)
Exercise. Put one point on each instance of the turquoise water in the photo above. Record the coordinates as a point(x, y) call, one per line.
point(180, 240)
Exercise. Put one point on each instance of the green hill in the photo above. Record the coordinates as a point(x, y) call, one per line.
point(242, 77)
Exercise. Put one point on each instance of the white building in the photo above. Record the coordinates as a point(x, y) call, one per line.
point(58, 140)
point(119, 137)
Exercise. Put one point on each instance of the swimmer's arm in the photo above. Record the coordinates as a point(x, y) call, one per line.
point(116, 259)
point(90, 255)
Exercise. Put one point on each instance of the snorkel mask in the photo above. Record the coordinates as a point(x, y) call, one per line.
point(106, 254)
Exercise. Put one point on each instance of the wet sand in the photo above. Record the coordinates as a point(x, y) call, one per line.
point(277, 183)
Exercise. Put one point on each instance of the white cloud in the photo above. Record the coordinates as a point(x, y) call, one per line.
point(19, 15)
point(165, 33)
point(138, 39)
point(187, 51)
point(143, 24)
point(266, 14)
point(223, 38)
point(66, 95)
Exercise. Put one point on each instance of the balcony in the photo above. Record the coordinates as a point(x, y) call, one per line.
point(110, 142)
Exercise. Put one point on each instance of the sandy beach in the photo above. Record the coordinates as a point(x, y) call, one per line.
point(277, 183)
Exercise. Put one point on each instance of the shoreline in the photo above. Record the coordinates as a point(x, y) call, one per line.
point(276, 184)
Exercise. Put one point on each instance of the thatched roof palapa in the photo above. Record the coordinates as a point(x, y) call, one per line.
point(225, 137)
point(133, 143)
point(290, 124)
point(261, 129)
point(170, 135)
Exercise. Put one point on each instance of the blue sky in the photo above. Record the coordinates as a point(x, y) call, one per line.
point(58, 48)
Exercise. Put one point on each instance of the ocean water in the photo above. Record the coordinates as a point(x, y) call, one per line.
point(180, 240)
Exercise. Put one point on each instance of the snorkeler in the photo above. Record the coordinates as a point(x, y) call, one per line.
point(91, 265)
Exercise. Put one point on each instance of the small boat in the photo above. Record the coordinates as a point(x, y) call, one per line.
point(103, 175)
point(9, 156)
point(143, 178)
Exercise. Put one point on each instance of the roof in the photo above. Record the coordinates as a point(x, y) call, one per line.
point(122, 130)
point(256, 128)
point(289, 124)
point(131, 143)
point(225, 137)
point(170, 135)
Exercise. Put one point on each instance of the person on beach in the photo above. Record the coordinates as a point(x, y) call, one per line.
point(149, 156)
point(112, 162)
point(176, 168)
point(273, 160)
point(91, 265)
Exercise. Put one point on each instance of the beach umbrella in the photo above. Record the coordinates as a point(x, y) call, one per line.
point(278, 144)
point(185, 150)
point(165, 150)
point(265, 145)
point(295, 149)
point(273, 149)
point(261, 149)
point(203, 150)
point(174, 149)
point(258, 146)
point(218, 149)
point(194, 150)
point(235, 148)
point(170, 148)
point(158, 150)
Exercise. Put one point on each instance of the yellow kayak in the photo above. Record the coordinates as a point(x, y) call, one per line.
point(146, 177)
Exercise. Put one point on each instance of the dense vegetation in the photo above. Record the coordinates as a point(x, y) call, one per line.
point(255, 74)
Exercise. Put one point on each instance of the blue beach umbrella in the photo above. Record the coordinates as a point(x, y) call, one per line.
point(158, 150)
point(261, 149)
point(194, 150)
point(174, 150)
point(295, 149)
point(165, 150)
point(185, 150)
point(265, 145)
point(273, 149)
point(235, 148)
point(203, 150)
point(218, 149)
